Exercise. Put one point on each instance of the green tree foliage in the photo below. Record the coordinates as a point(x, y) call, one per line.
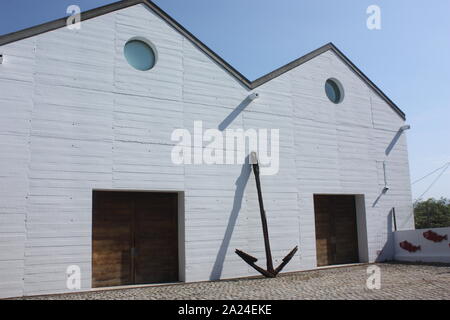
point(432, 213)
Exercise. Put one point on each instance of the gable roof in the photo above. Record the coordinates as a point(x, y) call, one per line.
point(56, 24)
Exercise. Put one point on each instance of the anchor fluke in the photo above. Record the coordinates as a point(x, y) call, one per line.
point(286, 260)
point(246, 257)
point(252, 262)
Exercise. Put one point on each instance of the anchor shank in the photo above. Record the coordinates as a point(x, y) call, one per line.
point(263, 219)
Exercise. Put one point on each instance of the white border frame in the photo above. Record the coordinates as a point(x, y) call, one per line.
point(147, 42)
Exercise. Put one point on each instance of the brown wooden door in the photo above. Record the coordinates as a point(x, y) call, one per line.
point(134, 238)
point(336, 230)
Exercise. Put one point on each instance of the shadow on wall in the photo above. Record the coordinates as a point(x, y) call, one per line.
point(393, 142)
point(388, 251)
point(383, 192)
point(233, 115)
point(240, 184)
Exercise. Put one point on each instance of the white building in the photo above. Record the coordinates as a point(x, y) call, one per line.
point(78, 121)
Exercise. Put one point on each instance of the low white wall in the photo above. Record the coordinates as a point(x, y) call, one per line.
point(429, 251)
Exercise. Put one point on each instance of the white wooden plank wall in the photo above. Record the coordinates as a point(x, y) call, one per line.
point(74, 117)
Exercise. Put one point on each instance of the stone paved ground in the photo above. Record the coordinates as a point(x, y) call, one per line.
point(399, 281)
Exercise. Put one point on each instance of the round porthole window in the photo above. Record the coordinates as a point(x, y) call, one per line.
point(140, 55)
point(334, 91)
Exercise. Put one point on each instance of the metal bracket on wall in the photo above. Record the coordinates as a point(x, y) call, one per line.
point(270, 272)
point(386, 186)
point(395, 218)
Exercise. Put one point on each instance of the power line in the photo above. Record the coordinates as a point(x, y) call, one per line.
point(435, 180)
point(418, 180)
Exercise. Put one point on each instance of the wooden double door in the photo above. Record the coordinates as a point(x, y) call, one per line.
point(134, 238)
point(336, 229)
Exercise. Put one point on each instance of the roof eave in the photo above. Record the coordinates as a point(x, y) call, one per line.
point(60, 23)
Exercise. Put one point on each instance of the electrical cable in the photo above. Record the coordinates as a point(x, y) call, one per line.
point(435, 180)
point(418, 180)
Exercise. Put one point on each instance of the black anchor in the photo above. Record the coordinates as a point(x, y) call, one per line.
point(270, 272)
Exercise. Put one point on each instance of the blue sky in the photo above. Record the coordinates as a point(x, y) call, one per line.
point(409, 58)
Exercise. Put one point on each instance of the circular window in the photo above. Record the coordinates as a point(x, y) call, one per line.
point(140, 55)
point(334, 91)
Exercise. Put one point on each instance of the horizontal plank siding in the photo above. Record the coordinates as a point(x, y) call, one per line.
point(75, 117)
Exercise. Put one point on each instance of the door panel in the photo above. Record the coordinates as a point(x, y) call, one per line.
point(346, 230)
point(324, 231)
point(111, 240)
point(156, 257)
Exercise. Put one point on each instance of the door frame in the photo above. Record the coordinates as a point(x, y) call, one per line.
point(361, 223)
point(181, 228)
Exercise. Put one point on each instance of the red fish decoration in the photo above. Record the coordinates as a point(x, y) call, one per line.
point(433, 236)
point(405, 245)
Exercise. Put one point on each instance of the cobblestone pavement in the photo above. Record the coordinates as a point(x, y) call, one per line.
point(399, 281)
